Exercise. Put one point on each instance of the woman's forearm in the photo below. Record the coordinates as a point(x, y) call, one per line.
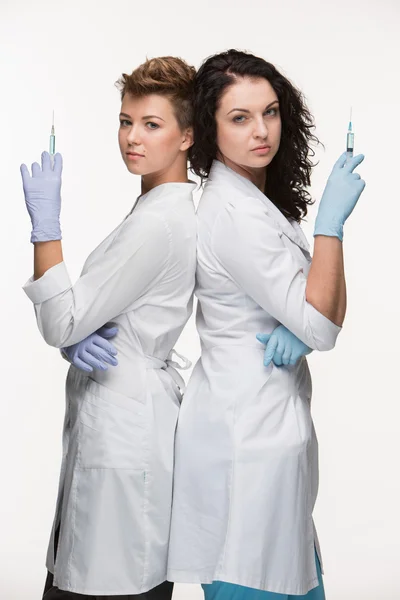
point(326, 285)
point(46, 255)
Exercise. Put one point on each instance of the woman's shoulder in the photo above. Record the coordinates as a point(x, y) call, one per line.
point(218, 200)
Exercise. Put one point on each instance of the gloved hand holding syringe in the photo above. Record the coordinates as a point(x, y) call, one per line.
point(42, 192)
point(341, 193)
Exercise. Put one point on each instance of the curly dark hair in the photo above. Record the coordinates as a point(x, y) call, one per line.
point(290, 170)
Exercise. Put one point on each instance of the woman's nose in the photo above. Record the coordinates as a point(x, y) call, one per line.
point(261, 130)
point(133, 136)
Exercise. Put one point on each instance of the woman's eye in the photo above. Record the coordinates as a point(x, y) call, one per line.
point(152, 125)
point(239, 119)
point(124, 123)
point(272, 111)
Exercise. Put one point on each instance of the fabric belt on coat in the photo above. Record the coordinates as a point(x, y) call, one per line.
point(170, 367)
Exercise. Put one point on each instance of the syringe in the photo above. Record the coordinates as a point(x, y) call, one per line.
point(52, 148)
point(350, 140)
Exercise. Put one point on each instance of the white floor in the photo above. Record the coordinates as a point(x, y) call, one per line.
point(184, 591)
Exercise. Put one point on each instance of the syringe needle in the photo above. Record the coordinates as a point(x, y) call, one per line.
point(52, 148)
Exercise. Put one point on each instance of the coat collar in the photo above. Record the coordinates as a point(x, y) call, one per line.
point(173, 187)
point(290, 228)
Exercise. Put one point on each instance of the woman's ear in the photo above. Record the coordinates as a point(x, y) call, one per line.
point(188, 139)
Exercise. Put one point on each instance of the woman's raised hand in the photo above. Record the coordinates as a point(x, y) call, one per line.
point(42, 192)
point(341, 194)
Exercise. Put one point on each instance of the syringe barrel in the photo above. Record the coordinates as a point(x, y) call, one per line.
point(52, 149)
point(350, 142)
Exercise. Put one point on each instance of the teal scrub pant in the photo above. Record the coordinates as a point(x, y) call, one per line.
point(220, 590)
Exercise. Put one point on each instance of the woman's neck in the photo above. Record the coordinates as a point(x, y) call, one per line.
point(256, 176)
point(176, 173)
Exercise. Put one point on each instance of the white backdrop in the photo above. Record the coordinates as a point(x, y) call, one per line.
point(67, 56)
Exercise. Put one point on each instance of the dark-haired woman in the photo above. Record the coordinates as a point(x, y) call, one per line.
point(246, 465)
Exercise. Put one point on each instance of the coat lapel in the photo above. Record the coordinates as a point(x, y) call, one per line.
point(290, 228)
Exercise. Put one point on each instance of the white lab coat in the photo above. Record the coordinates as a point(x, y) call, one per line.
point(246, 462)
point(115, 491)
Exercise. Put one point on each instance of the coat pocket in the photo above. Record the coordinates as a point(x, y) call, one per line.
point(112, 430)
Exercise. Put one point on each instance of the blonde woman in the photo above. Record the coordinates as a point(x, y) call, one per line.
point(111, 528)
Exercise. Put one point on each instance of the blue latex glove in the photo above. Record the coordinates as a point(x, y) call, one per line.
point(282, 347)
point(94, 351)
point(43, 198)
point(340, 196)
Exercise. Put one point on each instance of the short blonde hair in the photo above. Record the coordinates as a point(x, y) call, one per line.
point(168, 76)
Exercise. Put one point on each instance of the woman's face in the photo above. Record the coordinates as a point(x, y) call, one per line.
point(150, 139)
point(248, 124)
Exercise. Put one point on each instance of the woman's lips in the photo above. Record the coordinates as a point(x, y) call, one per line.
point(134, 155)
point(262, 150)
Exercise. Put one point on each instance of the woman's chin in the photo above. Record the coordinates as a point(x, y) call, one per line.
point(259, 162)
point(136, 169)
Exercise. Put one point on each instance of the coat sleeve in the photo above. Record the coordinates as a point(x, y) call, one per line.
point(134, 261)
point(248, 246)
